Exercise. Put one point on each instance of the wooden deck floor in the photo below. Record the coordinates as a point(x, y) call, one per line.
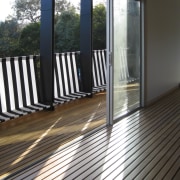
point(144, 145)
point(27, 139)
point(30, 138)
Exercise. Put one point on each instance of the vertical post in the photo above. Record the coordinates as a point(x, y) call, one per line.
point(86, 45)
point(109, 45)
point(47, 51)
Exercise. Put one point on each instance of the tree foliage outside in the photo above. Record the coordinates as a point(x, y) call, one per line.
point(9, 38)
point(99, 27)
point(20, 35)
point(27, 10)
point(30, 39)
point(67, 32)
point(62, 5)
point(30, 10)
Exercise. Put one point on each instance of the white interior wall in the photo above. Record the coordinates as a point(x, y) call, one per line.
point(162, 47)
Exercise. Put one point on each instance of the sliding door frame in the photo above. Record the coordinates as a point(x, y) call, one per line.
point(110, 60)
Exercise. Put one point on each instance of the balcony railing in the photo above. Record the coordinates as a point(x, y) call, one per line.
point(20, 87)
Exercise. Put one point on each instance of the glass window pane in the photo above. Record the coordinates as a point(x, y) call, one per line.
point(126, 53)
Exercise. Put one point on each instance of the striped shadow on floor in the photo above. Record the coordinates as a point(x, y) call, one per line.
point(144, 145)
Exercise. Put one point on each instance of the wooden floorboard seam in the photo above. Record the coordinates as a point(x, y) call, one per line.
point(130, 152)
point(143, 145)
point(85, 147)
point(10, 149)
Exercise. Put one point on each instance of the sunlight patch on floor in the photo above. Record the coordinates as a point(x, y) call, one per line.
point(21, 157)
point(90, 119)
point(58, 165)
point(118, 145)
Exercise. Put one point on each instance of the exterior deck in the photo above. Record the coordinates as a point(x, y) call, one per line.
point(29, 138)
point(144, 145)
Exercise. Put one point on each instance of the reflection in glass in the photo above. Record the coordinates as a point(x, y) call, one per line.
point(126, 45)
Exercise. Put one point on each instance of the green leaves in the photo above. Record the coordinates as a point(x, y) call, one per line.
point(30, 39)
point(9, 38)
point(67, 32)
point(99, 27)
point(17, 39)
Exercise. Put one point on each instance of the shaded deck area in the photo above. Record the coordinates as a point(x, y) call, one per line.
point(145, 145)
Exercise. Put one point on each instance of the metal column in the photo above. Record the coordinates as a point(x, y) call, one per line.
point(86, 45)
point(47, 51)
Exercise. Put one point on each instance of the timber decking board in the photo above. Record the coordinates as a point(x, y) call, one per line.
point(144, 145)
point(13, 145)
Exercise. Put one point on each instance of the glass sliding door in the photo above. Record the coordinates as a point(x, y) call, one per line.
point(124, 45)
